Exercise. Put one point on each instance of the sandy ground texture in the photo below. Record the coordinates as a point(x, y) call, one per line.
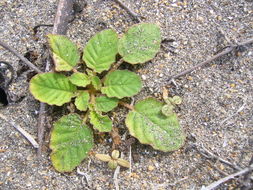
point(217, 100)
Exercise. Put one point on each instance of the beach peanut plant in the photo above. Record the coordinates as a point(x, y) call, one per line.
point(96, 86)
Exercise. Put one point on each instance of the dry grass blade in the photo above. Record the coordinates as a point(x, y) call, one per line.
point(213, 58)
point(21, 57)
point(22, 131)
point(225, 179)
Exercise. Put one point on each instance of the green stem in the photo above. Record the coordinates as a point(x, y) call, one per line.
point(86, 116)
point(92, 98)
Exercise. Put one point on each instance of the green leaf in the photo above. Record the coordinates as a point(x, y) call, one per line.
point(82, 101)
point(80, 79)
point(100, 122)
point(65, 52)
point(52, 88)
point(147, 123)
point(106, 104)
point(140, 43)
point(70, 142)
point(100, 51)
point(96, 82)
point(167, 109)
point(121, 83)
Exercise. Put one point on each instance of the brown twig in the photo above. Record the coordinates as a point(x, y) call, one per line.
point(63, 13)
point(113, 68)
point(22, 131)
point(133, 14)
point(225, 179)
point(116, 66)
point(224, 52)
point(126, 105)
point(21, 57)
point(41, 123)
point(64, 10)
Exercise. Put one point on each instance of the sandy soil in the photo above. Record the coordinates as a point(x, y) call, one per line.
point(211, 96)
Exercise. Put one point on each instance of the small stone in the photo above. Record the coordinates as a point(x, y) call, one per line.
point(200, 18)
point(134, 175)
point(232, 85)
point(151, 168)
point(219, 17)
point(167, 56)
point(190, 78)
point(143, 77)
point(222, 167)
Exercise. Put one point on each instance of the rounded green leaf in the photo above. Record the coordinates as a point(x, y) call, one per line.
point(82, 101)
point(140, 43)
point(167, 109)
point(105, 104)
point(96, 82)
point(100, 51)
point(177, 100)
point(121, 83)
point(52, 88)
point(65, 52)
point(100, 122)
point(80, 79)
point(147, 123)
point(70, 142)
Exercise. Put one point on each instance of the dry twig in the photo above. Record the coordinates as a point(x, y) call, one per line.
point(117, 170)
point(133, 14)
point(115, 177)
point(225, 179)
point(85, 175)
point(206, 153)
point(62, 18)
point(224, 52)
point(246, 183)
point(22, 131)
point(21, 57)
point(238, 111)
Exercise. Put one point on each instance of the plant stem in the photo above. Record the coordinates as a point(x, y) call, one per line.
point(114, 67)
point(126, 105)
point(92, 98)
point(85, 117)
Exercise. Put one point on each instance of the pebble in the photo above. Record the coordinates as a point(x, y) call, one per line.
point(161, 75)
point(143, 77)
point(151, 168)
